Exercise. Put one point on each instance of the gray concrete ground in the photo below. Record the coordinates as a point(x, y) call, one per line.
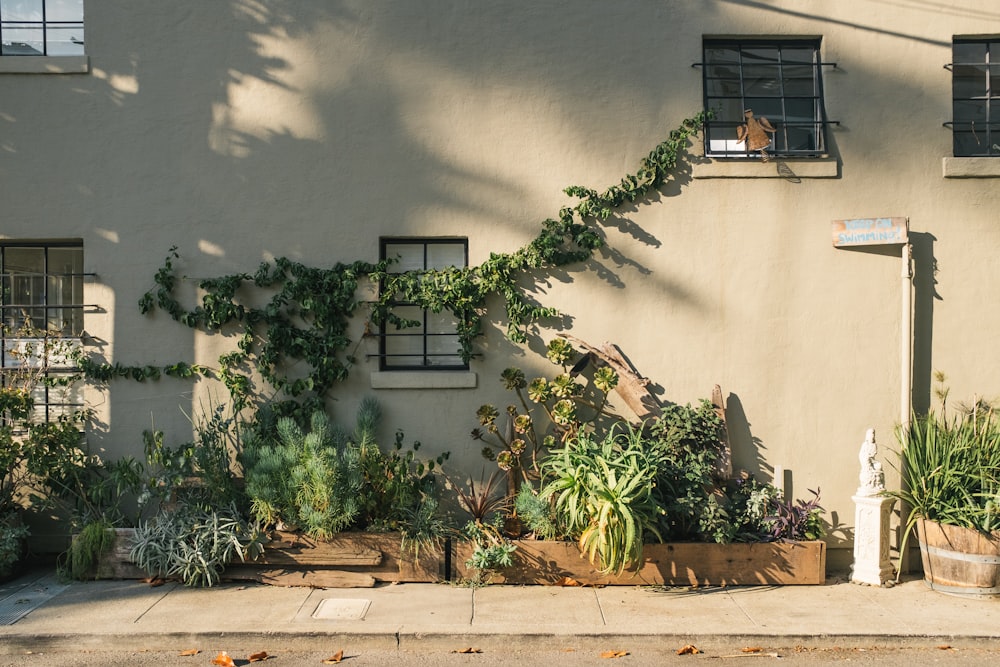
point(46, 616)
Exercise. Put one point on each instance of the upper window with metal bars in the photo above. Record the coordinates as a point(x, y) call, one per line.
point(41, 28)
point(975, 96)
point(765, 96)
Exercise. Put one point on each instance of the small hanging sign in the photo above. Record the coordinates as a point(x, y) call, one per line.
point(869, 231)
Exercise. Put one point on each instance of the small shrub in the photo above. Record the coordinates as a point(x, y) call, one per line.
point(194, 544)
point(12, 536)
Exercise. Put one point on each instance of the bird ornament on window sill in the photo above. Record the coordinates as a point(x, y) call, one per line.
point(754, 132)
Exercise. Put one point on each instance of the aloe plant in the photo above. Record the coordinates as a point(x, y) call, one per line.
point(603, 490)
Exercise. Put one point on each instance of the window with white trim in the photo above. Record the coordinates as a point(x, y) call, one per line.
point(975, 100)
point(41, 28)
point(432, 344)
point(42, 305)
point(779, 81)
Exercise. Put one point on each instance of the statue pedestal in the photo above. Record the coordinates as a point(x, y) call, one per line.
point(871, 539)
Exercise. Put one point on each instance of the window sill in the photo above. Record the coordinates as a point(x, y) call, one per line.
point(787, 168)
point(423, 380)
point(970, 167)
point(44, 65)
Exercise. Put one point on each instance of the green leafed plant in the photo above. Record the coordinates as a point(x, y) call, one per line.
point(301, 479)
point(12, 541)
point(193, 544)
point(949, 466)
point(548, 411)
point(603, 490)
point(307, 317)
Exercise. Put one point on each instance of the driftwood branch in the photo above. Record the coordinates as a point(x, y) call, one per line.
point(634, 391)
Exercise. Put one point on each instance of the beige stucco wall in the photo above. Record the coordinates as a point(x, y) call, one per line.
point(242, 131)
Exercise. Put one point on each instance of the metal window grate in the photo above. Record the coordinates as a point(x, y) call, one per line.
point(778, 79)
point(41, 319)
point(975, 100)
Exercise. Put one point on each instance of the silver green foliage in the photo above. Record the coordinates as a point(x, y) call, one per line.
point(311, 481)
point(194, 545)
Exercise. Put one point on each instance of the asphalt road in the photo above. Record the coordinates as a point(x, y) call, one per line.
point(563, 657)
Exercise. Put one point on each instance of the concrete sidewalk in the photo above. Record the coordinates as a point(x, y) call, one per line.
point(40, 612)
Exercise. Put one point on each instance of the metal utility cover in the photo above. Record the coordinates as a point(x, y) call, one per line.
point(342, 609)
point(20, 602)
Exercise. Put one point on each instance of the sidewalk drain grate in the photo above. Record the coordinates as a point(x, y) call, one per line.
point(32, 595)
point(342, 609)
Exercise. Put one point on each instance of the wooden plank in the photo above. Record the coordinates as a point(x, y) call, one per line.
point(308, 552)
point(308, 577)
point(378, 554)
point(681, 563)
point(724, 464)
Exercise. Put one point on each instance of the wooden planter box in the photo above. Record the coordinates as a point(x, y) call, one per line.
point(116, 564)
point(289, 559)
point(676, 564)
point(364, 559)
point(345, 560)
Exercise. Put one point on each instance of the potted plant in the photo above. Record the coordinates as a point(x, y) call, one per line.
point(949, 465)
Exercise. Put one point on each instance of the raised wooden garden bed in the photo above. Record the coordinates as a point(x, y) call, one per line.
point(345, 560)
point(290, 559)
point(364, 559)
point(683, 563)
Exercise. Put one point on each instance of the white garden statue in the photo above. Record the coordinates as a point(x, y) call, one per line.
point(871, 520)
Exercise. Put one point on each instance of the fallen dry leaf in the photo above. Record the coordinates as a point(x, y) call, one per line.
point(190, 651)
point(223, 660)
point(614, 654)
point(752, 649)
point(154, 581)
point(259, 657)
point(566, 581)
point(688, 649)
point(468, 650)
point(335, 658)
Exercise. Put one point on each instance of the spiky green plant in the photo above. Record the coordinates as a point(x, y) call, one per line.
point(949, 468)
point(303, 479)
point(604, 491)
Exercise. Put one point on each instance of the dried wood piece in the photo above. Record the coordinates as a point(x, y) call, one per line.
point(724, 464)
point(632, 387)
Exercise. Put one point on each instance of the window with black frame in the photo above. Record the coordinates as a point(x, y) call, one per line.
point(767, 88)
point(432, 344)
point(42, 304)
point(975, 104)
point(41, 28)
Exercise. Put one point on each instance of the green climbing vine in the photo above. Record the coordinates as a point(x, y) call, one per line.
point(309, 312)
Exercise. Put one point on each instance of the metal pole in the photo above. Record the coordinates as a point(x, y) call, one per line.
point(906, 333)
